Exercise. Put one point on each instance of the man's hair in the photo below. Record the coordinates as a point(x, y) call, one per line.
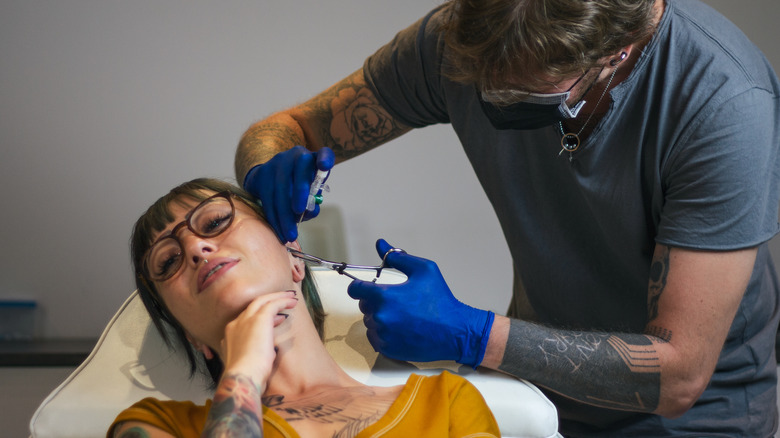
point(532, 41)
point(151, 223)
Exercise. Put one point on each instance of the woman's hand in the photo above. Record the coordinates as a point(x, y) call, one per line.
point(248, 354)
point(248, 345)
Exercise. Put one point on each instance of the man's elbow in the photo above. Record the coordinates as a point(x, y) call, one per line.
point(679, 397)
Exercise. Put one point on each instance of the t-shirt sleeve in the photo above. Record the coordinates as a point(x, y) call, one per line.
point(405, 74)
point(470, 415)
point(175, 418)
point(721, 186)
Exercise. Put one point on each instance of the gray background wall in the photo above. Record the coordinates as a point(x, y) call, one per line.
point(106, 104)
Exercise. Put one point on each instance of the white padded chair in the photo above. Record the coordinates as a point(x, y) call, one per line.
point(130, 362)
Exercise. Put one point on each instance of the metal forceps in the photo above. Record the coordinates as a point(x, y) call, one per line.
point(340, 267)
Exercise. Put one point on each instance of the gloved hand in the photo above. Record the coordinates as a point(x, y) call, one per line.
point(420, 320)
point(282, 185)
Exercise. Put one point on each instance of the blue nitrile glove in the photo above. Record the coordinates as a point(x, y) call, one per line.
point(282, 185)
point(420, 320)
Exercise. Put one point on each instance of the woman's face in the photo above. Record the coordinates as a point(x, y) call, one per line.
point(221, 275)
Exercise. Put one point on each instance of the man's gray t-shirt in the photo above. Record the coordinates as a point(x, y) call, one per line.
point(687, 156)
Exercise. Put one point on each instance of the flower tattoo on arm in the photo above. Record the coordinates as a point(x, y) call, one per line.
point(359, 122)
point(236, 410)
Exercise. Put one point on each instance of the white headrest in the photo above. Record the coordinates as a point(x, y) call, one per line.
point(130, 362)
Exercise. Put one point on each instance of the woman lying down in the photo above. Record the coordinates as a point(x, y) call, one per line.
point(209, 267)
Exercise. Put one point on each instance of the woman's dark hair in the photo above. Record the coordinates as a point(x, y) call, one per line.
point(151, 223)
point(492, 41)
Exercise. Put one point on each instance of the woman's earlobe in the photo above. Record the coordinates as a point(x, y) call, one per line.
point(201, 347)
point(298, 266)
point(298, 270)
point(207, 353)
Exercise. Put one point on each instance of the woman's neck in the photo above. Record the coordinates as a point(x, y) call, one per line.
point(303, 365)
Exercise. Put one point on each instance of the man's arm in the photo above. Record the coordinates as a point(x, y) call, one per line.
point(693, 297)
point(346, 117)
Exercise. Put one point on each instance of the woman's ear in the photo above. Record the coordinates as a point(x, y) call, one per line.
point(297, 265)
point(200, 346)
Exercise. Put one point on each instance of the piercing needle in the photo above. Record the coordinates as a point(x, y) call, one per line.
point(317, 185)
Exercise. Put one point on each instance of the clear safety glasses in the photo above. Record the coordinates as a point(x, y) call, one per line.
point(510, 96)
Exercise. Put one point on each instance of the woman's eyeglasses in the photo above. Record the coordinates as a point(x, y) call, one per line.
point(210, 218)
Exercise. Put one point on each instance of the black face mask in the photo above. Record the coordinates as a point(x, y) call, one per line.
point(535, 111)
point(524, 115)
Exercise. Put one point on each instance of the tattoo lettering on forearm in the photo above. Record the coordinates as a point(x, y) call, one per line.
point(617, 371)
point(236, 410)
point(571, 348)
point(659, 270)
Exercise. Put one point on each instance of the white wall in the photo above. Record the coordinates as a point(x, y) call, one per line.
point(106, 104)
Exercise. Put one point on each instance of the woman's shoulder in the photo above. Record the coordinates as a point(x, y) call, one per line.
point(432, 405)
point(172, 416)
point(155, 404)
point(432, 388)
point(443, 379)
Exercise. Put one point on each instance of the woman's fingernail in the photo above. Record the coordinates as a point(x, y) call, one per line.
point(293, 292)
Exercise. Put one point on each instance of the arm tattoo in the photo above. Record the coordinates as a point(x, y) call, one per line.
point(664, 335)
point(616, 371)
point(278, 131)
point(349, 118)
point(236, 410)
point(659, 269)
point(258, 145)
point(611, 370)
point(346, 117)
point(344, 412)
point(359, 122)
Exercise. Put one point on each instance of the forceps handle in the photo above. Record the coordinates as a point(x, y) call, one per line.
point(343, 266)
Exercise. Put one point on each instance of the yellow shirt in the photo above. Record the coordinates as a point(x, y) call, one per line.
point(436, 406)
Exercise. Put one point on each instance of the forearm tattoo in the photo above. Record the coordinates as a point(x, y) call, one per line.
point(236, 410)
point(617, 371)
point(278, 131)
point(610, 370)
point(347, 117)
point(259, 144)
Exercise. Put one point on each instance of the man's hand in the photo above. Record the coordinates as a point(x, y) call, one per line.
point(282, 185)
point(420, 320)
